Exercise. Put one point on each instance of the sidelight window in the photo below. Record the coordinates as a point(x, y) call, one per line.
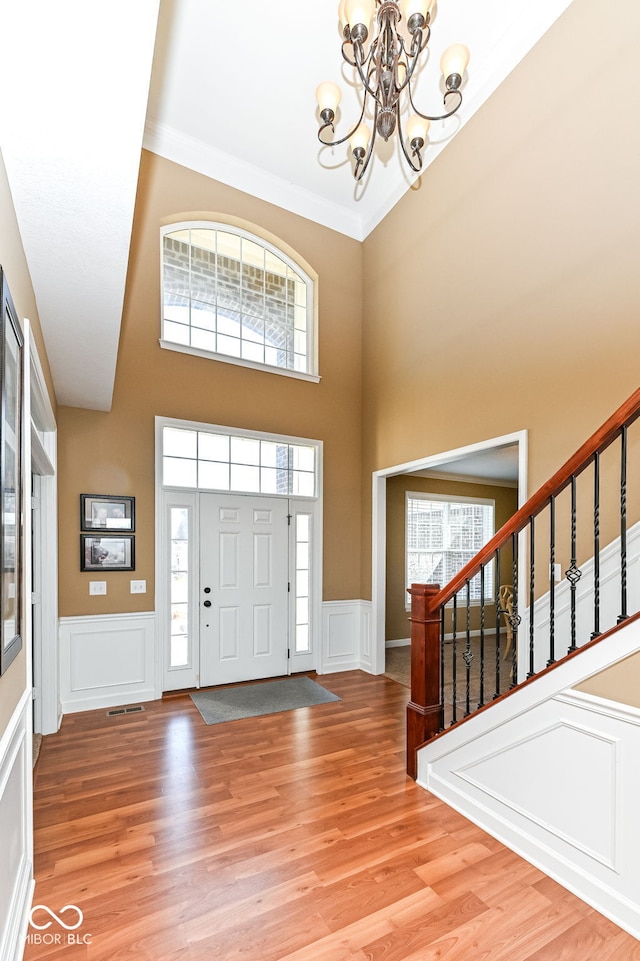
point(179, 597)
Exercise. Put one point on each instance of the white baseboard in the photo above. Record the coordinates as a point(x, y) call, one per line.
point(16, 834)
point(400, 642)
point(106, 661)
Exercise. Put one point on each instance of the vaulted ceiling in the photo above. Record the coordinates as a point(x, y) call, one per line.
point(222, 88)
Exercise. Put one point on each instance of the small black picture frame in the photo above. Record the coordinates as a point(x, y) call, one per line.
point(110, 513)
point(107, 552)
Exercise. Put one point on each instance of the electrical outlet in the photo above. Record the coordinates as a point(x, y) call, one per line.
point(138, 587)
point(557, 573)
point(97, 587)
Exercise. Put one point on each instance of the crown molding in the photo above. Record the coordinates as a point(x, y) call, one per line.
point(188, 152)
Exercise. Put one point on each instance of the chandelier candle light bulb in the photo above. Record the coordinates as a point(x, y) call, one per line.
point(417, 130)
point(359, 14)
point(413, 7)
point(385, 69)
point(453, 65)
point(328, 96)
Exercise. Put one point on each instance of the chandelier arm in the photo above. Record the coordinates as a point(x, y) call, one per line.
point(345, 55)
point(336, 143)
point(368, 61)
point(419, 40)
point(444, 116)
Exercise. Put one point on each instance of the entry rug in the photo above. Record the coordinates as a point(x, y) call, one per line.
point(253, 700)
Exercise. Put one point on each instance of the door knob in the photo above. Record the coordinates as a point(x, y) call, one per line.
point(207, 603)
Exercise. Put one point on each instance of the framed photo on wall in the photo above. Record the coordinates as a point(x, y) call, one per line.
point(107, 552)
point(107, 512)
point(11, 347)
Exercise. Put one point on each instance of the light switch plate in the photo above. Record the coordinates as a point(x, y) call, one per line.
point(97, 587)
point(138, 587)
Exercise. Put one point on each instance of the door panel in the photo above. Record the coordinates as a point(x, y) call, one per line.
point(244, 564)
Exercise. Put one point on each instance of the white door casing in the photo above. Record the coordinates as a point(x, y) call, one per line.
point(244, 568)
point(178, 655)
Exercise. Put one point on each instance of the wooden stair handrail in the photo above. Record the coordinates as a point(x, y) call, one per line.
point(425, 709)
point(599, 440)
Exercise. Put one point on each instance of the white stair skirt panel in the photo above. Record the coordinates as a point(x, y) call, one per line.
point(106, 660)
point(553, 774)
point(346, 636)
point(16, 833)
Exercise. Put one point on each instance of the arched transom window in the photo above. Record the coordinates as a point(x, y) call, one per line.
point(228, 293)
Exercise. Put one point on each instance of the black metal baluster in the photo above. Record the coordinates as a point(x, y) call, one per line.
point(532, 595)
point(623, 526)
point(596, 547)
point(573, 574)
point(468, 654)
point(442, 667)
point(454, 655)
point(552, 581)
point(498, 616)
point(481, 698)
point(514, 617)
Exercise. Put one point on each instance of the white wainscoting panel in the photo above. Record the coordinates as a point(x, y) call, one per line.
point(346, 636)
point(106, 660)
point(16, 831)
point(553, 774)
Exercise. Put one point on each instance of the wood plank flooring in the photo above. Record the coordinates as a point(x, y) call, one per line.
point(294, 837)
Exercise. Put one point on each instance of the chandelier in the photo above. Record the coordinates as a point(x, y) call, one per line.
point(386, 70)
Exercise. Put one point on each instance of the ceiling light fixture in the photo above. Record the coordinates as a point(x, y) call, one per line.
point(385, 71)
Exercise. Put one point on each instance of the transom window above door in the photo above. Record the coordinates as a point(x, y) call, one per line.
point(232, 296)
point(242, 464)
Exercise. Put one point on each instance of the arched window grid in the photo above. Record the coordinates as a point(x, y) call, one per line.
point(228, 292)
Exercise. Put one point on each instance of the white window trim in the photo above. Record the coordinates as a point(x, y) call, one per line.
point(253, 434)
point(311, 376)
point(173, 496)
point(450, 499)
point(238, 361)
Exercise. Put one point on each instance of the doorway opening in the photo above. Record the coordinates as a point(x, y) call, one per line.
point(42, 548)
point(496, 460)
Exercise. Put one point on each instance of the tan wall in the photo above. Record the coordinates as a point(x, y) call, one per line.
point(503, 293)
point(617, 683)
point(12, 259)
point(114, 452)
point(506, 502)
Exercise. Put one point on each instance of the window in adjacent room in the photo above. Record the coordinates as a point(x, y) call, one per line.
point(232, 296)
point(442, 534)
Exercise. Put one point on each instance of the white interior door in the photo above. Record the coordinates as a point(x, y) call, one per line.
point(244, 564)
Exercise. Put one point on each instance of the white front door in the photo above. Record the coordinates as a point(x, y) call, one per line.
point(244, 599)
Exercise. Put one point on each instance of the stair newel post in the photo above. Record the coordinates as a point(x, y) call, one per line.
point(425, 711)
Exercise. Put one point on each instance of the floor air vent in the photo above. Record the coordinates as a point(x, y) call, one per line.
point(125, 710)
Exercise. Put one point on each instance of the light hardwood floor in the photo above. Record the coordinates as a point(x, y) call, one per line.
point(294, 837)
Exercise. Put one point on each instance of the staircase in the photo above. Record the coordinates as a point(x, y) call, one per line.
point(538, 760)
